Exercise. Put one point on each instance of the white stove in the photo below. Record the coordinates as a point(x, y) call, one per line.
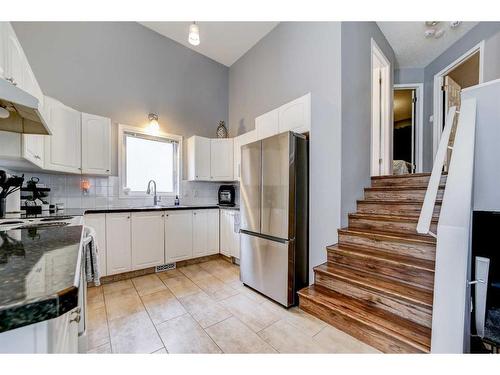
point(40, 222)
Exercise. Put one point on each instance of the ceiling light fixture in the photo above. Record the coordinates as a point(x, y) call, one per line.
point(194, 34)
point(153, 126)
point(455, 24)
point(4, 113)
point(439, 33)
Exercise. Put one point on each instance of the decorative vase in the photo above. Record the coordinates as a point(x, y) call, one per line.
point(221, 130)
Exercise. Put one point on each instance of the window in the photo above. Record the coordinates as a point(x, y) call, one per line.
point(146, 157)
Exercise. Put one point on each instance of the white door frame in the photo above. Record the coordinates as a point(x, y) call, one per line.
point(437, 117)
point(381, 127)
point(419, 129)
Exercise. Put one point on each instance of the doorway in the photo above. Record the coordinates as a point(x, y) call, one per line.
point(381, 134)
point(464, 72)
point(407, 128)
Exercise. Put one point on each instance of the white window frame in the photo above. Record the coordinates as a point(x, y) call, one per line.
point(127, 129)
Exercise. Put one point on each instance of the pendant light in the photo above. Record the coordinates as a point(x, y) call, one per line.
point(194, 34)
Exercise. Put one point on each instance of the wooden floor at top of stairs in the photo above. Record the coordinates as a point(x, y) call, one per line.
point(373, 253)
point(388, 287)
point(392, 326)
point(409, 175)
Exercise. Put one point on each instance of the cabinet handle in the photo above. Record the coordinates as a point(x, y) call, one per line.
point(128, 217)
point(162, 215)
point(11, 80)
point(194, 213)
point(107, 170)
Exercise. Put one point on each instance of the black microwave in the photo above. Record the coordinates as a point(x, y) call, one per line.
point(226, 195)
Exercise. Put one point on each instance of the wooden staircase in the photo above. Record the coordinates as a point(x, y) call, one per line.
point(377, 284)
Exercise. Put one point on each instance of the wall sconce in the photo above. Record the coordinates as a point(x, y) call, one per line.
point(85, 186)
point(153, 126)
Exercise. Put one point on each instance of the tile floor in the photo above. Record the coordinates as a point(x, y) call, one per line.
point(203, 308)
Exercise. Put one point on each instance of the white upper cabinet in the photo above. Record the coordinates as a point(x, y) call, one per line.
point(198, 158)
point(96, 144)
point(63, 147)
point(3, 49)
point(15, 65)
point(221, 159)
point(147, 239)
point(210, 159)
point(118, 243)
point(267, 124)
point(178, 235)
point(33, 148)
point(296, 115)
point(240, 141)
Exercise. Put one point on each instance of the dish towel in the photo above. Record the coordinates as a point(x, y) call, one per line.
point(237, 222)
point(91, 256)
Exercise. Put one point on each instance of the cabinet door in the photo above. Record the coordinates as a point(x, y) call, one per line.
point(221, 159)
point(213, 232)
point(238, 142)
point(98, 222)
point(63, 147)
point(200, 233)
point(33, 148)
point(148, 246)
point(267, 124)
point(225, 234)
point(178, 235)
point(296, 115)
point(3, 49)
point(198, 158)
point(118, 243)
point(96, 144)
point(15, 64)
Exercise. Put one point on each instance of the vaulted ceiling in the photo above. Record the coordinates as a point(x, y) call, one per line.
point(224, 42)
point(412, 48)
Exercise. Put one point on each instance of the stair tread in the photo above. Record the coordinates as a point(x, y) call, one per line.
point(395, 201)
point(392, 325)
point(385, 217)
point(380, 284)
point(402, 187)
point(368, 252)
point(388, 235)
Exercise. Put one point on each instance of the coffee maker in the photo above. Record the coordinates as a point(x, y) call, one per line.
point(10, 186)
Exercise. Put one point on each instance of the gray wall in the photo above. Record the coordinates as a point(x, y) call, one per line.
point(409, 75)
point(292, 60)
point(123, 70)
point(487, 31)
point(356, 108)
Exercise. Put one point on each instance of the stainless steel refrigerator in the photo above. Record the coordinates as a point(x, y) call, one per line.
point(274, 216)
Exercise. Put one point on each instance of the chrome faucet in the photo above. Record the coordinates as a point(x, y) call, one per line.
point(148, 191)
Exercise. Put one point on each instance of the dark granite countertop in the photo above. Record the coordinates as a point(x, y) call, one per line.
point(39, 274)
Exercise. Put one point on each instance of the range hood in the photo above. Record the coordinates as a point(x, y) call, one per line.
point(24, 115)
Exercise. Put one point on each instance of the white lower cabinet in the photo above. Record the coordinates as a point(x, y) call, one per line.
point(178, 235)
point(98, 222)
point(118, 243)
point(205, 232)
point(229, 238)
point(147, 239)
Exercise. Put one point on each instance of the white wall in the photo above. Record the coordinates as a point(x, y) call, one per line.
point(292, 60)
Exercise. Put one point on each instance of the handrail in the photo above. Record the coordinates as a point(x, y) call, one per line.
point(451, 309)
point(424, 221)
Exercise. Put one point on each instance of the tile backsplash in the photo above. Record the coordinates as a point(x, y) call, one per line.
point(104, 192)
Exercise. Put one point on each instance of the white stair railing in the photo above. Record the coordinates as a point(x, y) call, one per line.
point(451, 312)
point(424, 221)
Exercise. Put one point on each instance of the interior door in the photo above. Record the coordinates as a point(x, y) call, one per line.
point(250, 186)
point(276, 162)
point(451, 98)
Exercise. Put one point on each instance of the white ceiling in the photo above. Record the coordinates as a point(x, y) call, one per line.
point(224, 42)
point(412, 49)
